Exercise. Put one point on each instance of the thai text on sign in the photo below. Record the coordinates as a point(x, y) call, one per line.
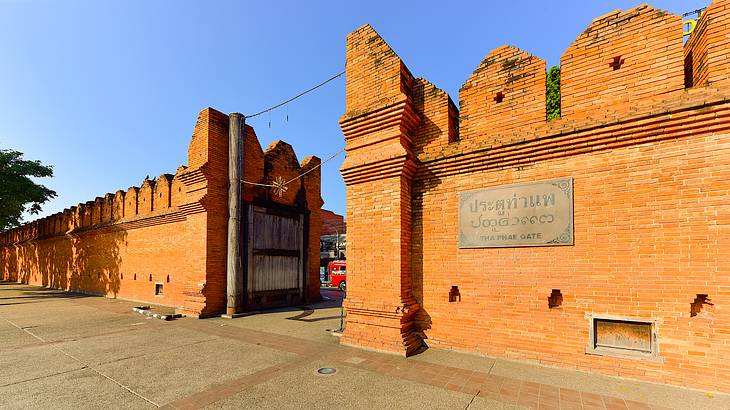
point(532, 214)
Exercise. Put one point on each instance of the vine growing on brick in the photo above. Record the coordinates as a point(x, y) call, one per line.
point(553, 93)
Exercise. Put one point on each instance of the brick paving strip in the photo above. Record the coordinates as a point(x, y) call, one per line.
point(307, 351)
point(489, 386)
point(475, 383)
point(478, 384)
point(230, 388)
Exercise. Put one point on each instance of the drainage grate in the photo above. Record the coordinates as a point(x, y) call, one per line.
point(326, 370)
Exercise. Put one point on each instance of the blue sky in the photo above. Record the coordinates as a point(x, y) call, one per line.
point(108, 92)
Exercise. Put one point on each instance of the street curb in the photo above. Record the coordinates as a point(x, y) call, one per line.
point(145, 311)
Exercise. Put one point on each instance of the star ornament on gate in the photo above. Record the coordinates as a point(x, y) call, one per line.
point(279, 186)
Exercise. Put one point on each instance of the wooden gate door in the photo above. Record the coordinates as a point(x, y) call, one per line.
point(275, 262)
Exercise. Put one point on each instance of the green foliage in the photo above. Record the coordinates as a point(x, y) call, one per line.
point(553, 93)
point(18, 193)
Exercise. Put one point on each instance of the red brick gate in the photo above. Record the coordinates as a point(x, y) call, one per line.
point(644, 139)
point(165, 242)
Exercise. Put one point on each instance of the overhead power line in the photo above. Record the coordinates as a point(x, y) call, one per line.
point(340, 74)
point(695, 12)
point(281, 185)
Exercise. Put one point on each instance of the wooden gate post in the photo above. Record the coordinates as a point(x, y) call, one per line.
point(234, 269)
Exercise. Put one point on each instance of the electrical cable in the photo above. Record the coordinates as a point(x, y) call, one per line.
point(331, 157)
point(698, 11)
point(340, 74)
point(281, 185)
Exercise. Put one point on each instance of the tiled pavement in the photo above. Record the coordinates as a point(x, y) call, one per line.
point(507, 390)
point(504, 389)
point(304, 342)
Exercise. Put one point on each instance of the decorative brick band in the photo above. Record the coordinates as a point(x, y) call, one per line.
point(678, 123)
point(398, 114)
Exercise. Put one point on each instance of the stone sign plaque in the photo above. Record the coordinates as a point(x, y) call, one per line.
point(533, 214)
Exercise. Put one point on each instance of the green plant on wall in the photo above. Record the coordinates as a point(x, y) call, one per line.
point(19, 193)
point(553, 93)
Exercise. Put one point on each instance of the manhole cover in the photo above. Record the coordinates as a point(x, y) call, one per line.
point(326, 370)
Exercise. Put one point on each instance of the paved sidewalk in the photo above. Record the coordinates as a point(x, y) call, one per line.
point(59, 350)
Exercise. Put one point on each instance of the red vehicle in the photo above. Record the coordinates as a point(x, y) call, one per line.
point(338, 274)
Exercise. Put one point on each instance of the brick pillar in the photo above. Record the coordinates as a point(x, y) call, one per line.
point(706, 53)
point(378, 171)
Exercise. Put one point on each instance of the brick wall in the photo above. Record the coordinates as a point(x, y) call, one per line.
point(622, 57)
point(332, 223)
point(708, 46)
point(506, 91)
point(650, 161)
point(441, 118)
point(170, 231)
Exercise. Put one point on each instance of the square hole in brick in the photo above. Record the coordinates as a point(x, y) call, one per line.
point(158, 289)
point(616, 63)
point(499, 97)
point(555, 299)
point(700, 305)
point(454, 294)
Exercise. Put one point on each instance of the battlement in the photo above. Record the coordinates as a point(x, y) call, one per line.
point(707, 51)
point(440, 114)
point(169, 232)
point(381, 76)
point(153, 197)
point(169, 194)
point(643, 141)
point(620, 58)
point(506, 91)
point(623, 63)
